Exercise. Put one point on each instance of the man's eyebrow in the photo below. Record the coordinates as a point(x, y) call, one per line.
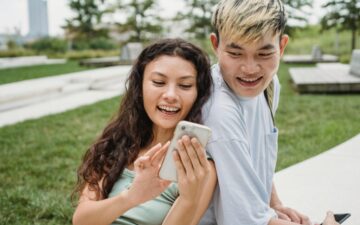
point(267, 47)
point(233, 45)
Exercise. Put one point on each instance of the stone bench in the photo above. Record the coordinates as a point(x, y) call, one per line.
point(355, 63)
point(129, 54)
point(27, 61)
point(316, 56)
point(329, 79)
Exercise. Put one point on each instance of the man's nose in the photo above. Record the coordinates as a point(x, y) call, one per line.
point(250, 66)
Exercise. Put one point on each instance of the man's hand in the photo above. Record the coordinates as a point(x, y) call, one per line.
point(289, 214)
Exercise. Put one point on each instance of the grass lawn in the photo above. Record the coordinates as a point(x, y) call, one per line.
point(31, 72)
point(38, 158)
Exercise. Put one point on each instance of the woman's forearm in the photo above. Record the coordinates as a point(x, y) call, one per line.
point(182, 212)
point(102, 212)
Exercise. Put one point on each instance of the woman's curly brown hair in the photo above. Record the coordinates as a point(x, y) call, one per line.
point(131, 129)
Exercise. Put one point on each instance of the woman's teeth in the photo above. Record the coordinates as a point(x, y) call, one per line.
point(169, 109)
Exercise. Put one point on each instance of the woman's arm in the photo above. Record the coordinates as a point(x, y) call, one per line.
point(196, 180)
point(102, 212)
point(145, 186)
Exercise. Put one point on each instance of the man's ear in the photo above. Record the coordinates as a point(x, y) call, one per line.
point(283, 42)
point(214, 42)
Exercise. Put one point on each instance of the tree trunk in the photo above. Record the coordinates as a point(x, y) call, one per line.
point(353, 39)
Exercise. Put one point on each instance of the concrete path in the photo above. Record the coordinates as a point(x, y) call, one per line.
point(329, 181)
point(35, 98)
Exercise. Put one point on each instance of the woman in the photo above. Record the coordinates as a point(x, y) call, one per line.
point(118, 180)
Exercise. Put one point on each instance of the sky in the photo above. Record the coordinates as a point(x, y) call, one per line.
point(14, 15)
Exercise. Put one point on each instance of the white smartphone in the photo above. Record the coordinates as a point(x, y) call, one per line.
point(201, 132)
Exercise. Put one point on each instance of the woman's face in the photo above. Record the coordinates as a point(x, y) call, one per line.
point(169, 90)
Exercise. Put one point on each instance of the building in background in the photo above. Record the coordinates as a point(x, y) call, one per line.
point(38, 19)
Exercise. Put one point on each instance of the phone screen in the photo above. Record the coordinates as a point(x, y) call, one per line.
point(341, 217)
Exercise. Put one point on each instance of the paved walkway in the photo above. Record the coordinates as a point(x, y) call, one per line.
point(329, 181)
point(35, 98)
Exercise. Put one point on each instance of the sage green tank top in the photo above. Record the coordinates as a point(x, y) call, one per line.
point(152, 212)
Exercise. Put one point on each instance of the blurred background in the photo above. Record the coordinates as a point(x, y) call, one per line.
point(39, 157)
point(59, 28)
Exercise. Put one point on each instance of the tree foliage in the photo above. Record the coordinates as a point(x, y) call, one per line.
point(85, 23)
point(295, 9)
point(342, 15)
point(198, 13)
point(142, 22)
point(297, 13)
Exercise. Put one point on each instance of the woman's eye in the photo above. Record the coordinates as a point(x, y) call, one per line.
point(186, 86)
point(158, 83)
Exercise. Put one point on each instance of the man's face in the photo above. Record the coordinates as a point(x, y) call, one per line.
point(248, 68)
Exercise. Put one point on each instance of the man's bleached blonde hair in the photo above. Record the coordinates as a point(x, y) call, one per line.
point(248, 20)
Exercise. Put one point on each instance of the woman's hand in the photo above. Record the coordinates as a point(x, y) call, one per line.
point(192, 168)
point(147, 185)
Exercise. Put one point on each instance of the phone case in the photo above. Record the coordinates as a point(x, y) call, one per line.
point(201, 132)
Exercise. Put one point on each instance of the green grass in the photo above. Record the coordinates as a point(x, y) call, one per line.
point(38, 158)
point(311, 124)
point(38, 161)
point(31, 72)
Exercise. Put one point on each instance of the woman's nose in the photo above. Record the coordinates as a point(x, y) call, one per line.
point(170, 93)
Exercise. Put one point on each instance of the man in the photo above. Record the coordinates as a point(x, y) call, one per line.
point(248, 42)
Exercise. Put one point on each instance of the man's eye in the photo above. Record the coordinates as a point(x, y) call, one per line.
point(234, 54)
point(158, 83)
point(265, 54)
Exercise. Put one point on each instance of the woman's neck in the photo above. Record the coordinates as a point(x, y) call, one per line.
point(161, 136)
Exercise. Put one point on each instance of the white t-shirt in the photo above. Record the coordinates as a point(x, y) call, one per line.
point(243, 146)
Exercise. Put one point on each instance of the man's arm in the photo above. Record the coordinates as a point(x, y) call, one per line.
point(286, 213)
point(241, 197)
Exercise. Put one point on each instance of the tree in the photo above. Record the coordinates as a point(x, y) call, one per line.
point(142, 22)
point(88, 16)
point(198, 13)
point(297, 13)
point(343, 15)
point(295, 9)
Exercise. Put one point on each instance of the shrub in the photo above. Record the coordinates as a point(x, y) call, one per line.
point(16, 52)
point(49, 45)
point(100, 43)
point(77, 55)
